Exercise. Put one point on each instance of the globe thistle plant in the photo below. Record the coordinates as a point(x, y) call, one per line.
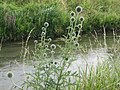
point(46, 24)
point(72, 19)
point(53, 46)
point(78, 9)
point(79, 26)
point(35, 41)
point(72, 14)
point(81, 18)
point(10, 74)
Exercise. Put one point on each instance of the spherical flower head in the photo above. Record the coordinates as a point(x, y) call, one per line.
point(76, 44)
point(78, 9)
point(10, 74)
point(72, 19)
point(81, 18)
point(43, 28)
point(49, 39)
point(79, 26)
point(53, 46)
point(46, 46)
point(72, 13)
point(35, 41)
point(43, 34)
point(46, 24)
point(45, 54)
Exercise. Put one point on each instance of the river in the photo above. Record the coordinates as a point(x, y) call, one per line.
point(10, 60)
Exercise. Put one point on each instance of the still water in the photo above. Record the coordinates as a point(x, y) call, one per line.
point(10, 60)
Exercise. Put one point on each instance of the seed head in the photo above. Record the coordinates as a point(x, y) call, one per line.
point(81, 18)
point(72, 13)
point(76, 44)
point(78, 9)
point(43, 28)
point(79, 26)
point(45, 54)
point(43, 34)
point(46, 46)
point(53, 46)
point(72, 19)
point(10, 74)
point(35, 41)
point(49, 39)
point(46, 24)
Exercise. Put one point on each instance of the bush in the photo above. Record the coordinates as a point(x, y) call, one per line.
point(16, 22)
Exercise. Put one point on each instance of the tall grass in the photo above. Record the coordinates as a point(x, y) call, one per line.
point(19, 17)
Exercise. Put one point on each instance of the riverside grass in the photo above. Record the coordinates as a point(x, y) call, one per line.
point(54, 75)
point(19, 17)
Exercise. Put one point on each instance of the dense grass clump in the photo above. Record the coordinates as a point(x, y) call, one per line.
point(17, 21)
point(19, 17)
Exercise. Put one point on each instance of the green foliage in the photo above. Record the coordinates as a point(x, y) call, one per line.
point(16, 22)
point(19, 17)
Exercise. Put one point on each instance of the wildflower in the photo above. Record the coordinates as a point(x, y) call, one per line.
point(46, 46)
point(46, 24)
point(53, 46)
point(76, 44)
point(45, 54)
point(72, 13)
point(35, 41)
point(10, 74)
point(72, 19)
point(49, 39)
point(43, 34)
point(79, 26)
point(78, 9)
point(43, 28)
point(81, 18)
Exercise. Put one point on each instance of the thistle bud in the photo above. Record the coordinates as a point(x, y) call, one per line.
point(46, 24)
point(53, 46)
point(72, 13)
point(10, 74)
point(78, 9)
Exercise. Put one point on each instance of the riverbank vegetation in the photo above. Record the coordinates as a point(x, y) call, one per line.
point(55, 74)
point(18, 18)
